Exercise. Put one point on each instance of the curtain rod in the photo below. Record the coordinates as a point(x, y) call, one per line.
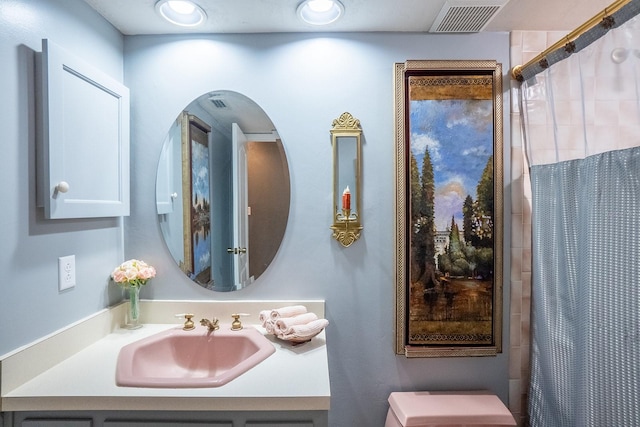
point(598, 24)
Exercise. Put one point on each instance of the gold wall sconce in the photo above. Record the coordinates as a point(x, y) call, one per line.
point(347, 187)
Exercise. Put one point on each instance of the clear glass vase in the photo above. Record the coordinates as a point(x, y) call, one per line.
point(133, 317)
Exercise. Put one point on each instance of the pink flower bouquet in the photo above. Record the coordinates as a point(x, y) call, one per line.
point(134, 273)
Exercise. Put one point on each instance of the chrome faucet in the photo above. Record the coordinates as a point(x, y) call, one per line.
point(212, 325)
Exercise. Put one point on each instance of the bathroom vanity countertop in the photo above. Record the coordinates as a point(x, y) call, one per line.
point(294, 378)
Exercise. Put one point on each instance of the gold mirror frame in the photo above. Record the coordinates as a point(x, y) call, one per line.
point(347, 220)
point(430, 319)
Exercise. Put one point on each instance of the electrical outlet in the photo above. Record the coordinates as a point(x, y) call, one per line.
point(66, 272)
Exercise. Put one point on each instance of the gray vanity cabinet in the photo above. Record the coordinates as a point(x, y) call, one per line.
point(44, 422)
point(167, 419)
point(280, 424)
point(164, 424)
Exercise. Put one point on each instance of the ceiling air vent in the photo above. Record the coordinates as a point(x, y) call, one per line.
point(218, 103)
point(469, 16)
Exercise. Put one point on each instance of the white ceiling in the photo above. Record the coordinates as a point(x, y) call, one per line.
point(268, 16)
point(133, 17)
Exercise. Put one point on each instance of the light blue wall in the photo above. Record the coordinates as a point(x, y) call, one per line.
point(30, 304)
point(303, 82)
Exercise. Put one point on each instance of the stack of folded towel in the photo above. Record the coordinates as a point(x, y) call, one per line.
point(292, 323)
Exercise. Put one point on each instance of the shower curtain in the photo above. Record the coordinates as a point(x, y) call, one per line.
point(581, 125)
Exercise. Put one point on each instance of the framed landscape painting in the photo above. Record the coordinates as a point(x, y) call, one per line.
point(196, 199)
point(449, 208)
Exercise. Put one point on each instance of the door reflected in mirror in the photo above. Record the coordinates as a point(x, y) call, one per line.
point(222, 191)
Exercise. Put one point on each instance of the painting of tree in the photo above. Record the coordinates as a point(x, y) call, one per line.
point(197, 200)
point(451, 137)
point(449, 188)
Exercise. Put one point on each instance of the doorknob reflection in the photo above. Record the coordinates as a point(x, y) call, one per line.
point(237, 251)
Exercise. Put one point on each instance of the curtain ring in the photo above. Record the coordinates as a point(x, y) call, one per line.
point(608, 22)
point(570, 47)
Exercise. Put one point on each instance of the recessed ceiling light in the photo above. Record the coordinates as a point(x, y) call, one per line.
point(320, 12)
point(181, 12)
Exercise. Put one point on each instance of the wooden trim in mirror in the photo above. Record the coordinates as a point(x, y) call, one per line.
point(195, 136)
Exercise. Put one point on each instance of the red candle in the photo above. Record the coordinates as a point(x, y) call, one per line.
point(346, 198)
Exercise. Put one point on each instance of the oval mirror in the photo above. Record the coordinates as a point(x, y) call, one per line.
point(222, 191)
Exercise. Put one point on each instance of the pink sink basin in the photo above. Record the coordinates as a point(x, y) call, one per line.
point(189, 359)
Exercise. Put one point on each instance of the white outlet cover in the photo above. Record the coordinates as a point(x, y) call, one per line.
point(66, 272)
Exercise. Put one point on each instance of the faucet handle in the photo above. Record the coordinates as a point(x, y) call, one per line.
point(236, 325)
point(188, 323)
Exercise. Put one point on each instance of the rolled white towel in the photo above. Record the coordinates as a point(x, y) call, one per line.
point(285, 323)
point(265, 319)
point(301, 333)
point(270, 326)
point(264, 316)
point(290, 311)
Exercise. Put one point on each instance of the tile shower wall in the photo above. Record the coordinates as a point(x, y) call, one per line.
point(524, 46)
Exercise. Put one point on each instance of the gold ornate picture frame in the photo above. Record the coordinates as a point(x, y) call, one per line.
point(449, 204)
